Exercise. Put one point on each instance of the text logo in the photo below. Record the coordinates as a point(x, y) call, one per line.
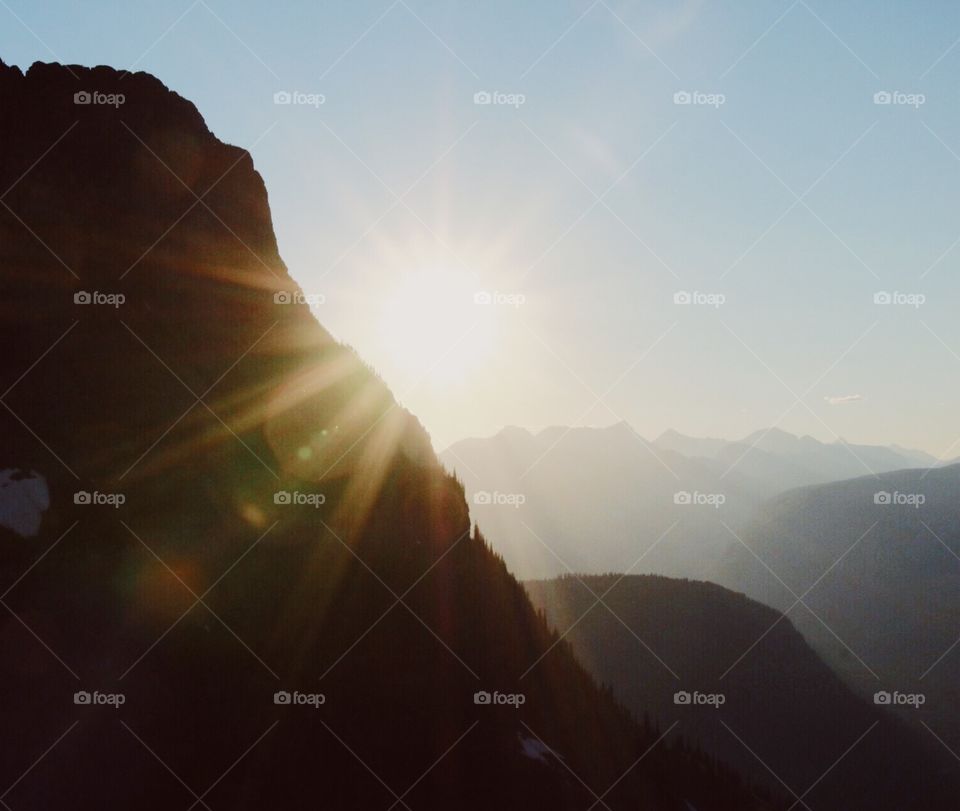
point(696, 698)
point(296, 98)
point(896, 498)
point(715, 500)
point(297, 297)
point(515, 500)
point(115, 500)
point(497, 698)
point(486, 297)
point(299, 499)
point(884, 297)
point(298, 699)
point(898, 699)
point(86, 97)
point(96, 698)
point(496, 97)
point(696, 98)
point(96, 297)
point(897, 98)
point(715, 300)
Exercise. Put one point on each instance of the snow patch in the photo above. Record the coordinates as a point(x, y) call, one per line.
point(535, 749)
point(24, 498)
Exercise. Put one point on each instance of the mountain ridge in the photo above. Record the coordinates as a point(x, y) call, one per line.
point(867, 553)
point(671, 506)
point(781, 713)
point(668, 437)
point(285, 527)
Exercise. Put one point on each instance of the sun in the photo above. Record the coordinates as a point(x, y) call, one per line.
point(437, 326)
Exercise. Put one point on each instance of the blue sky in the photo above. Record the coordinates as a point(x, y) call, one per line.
point(696, 198)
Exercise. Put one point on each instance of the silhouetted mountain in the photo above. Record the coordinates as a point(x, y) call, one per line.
point(875, 561)
point(759, 697)
point(238, 506)
point(597, 499)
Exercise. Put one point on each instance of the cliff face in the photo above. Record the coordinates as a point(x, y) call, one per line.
point(238, 506)
point(138, 199)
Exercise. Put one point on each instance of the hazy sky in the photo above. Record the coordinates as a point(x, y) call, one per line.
point(399, 198)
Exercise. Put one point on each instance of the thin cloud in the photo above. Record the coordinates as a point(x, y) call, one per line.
point(843, 399)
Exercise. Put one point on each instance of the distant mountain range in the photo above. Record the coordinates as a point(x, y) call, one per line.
point(605, 499)
point(875, 558)
point(760, 698)
point(783, 460)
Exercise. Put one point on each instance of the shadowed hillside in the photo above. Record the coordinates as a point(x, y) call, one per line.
point(875, 561)
point(779, 713)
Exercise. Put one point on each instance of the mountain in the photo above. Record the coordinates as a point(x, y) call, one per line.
point(596, 500)
point(776, 440)
point(707, 447)
point(599, 499)
point(918, 458)
point(234, 573)
point(876, 562)
point(771, 707)
point(783, 461)
point(830, 461)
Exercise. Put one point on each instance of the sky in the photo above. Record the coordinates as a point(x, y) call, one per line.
point(688, 215)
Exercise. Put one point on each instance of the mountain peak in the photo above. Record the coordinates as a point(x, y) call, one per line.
point(672, 434)
point(299, 493)
point(514, 430)
point(691, 446)
point(770, 432)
